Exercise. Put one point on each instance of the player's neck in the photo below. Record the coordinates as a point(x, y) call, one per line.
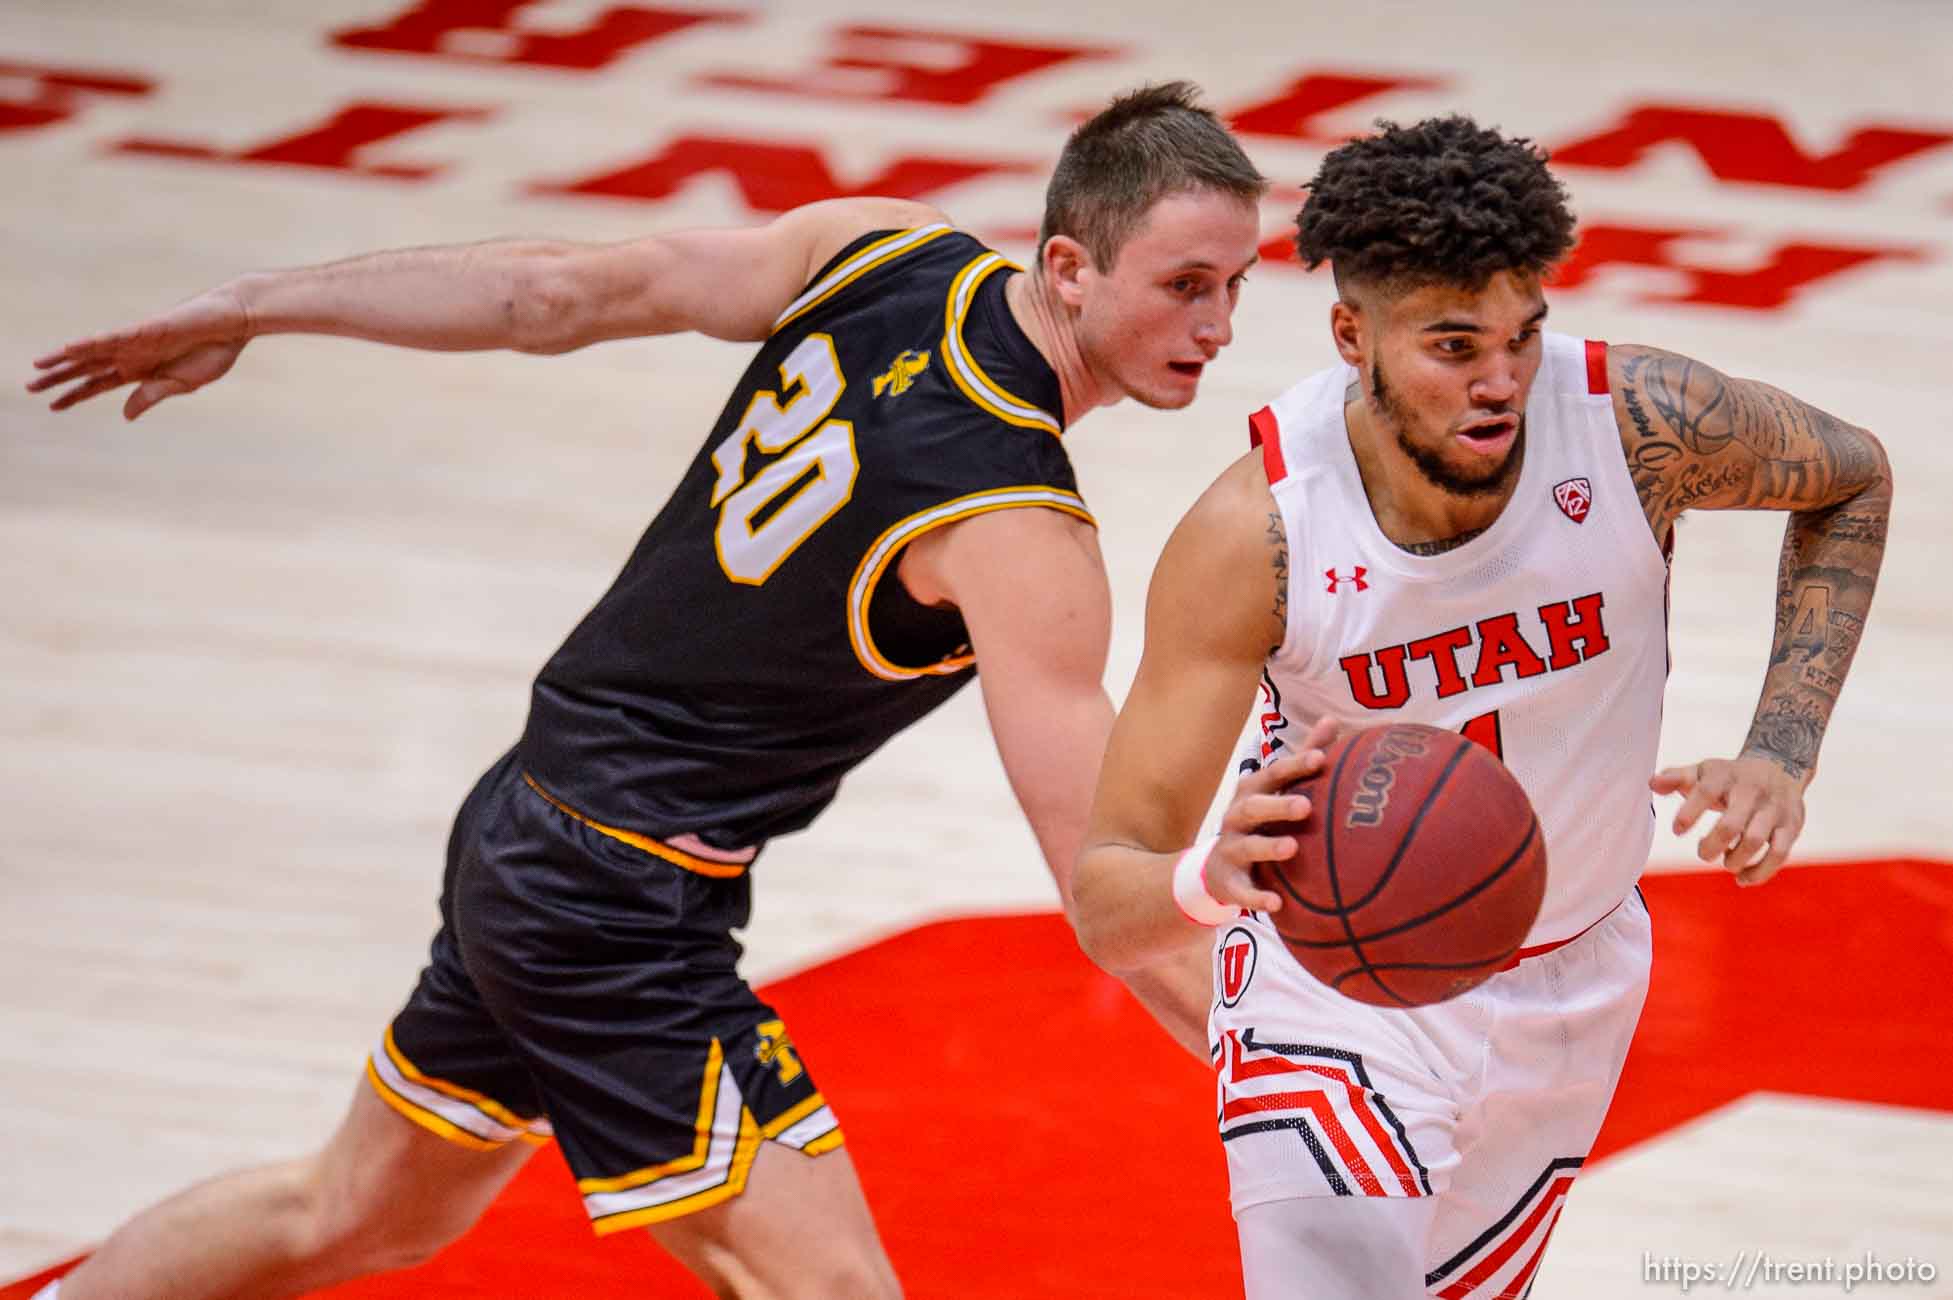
point(1046, 323)
point(1412, 511)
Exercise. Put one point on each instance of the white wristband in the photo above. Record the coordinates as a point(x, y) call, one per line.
point(1190, 886)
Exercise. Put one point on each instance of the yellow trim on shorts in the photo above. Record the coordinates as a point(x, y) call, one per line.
point(708, 1103)
point(861, 588)
point(438, 1124)
point(643, 843)
point(427, 1119)
point(825, 1143)
point(487, 1105)
point(879, 253)
point(798, 1111)
point(963, 368)
point(742, 1164)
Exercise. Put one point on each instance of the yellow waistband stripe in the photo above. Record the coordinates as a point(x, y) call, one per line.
point(643, 843)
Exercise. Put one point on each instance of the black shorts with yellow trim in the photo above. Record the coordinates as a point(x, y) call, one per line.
point(585, 987)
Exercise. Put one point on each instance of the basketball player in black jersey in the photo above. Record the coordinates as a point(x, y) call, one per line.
point(884, 502)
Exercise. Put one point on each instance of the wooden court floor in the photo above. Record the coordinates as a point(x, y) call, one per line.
point(254, 648)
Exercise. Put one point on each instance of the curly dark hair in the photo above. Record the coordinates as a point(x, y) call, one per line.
point(1147, 144)
point(1443, 201)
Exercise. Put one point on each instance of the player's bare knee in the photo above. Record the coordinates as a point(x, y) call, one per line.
point(849, 1273)
point(362, 1222)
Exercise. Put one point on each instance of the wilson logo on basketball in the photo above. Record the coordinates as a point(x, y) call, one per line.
point(1574, 496)
point(1373, 787)
point(1237, 959)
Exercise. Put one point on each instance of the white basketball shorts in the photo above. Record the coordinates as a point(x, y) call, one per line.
point(1487, 1103)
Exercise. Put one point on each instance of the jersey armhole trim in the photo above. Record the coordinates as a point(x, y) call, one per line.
point(963, 368)
point(879, 253)
point(1264, 432)
point(868, 574)
point(1596, 368)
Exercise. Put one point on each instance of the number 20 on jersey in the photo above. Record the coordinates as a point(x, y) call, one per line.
point(763, 518)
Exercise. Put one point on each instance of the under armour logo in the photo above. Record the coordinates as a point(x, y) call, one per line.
point(1336, 579)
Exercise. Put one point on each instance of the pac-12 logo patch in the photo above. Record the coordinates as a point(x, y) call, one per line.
point(1237, 959)
point(1574, 496)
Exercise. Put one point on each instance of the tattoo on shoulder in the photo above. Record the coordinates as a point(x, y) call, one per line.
point(1278, 543)
point(1702, 436)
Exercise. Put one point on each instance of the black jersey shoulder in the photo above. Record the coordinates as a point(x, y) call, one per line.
point(759, 642)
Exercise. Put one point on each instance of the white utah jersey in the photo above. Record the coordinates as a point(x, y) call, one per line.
point(1544, 638)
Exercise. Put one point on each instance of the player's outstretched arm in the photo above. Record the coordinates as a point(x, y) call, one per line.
point(1697, 439)
point(1218, 603)
point(537, 296)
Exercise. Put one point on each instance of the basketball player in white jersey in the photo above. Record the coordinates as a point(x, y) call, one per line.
point(1466, 524)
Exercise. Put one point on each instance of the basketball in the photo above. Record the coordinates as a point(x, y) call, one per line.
point(1420, 871)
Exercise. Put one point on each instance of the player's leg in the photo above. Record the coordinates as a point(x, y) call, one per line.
point(382, 1194)
point(681, 1103)
point(1559, 1034)
point(1338, 1120)
point(1347, 1247)
point(801, 1228)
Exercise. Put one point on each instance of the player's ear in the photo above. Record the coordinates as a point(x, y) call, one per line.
point(1066, 268)
point(1350, 328)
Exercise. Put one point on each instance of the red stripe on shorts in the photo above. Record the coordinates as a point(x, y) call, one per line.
point(1492, 1263)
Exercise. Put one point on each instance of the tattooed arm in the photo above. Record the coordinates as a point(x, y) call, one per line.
point(1699, 440)
point(1219, 601)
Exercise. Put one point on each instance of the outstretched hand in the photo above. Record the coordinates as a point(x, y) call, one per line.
point(169, 355)
point(1762, 809)
point(1258, 801)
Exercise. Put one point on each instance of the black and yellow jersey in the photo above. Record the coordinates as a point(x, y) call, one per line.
point(757, 644)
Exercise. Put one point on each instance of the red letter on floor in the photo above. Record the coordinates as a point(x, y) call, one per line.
point(1291, 115)
point(773, 176)
point(483, 31)
point(331, 145)
point(1790, 267)
point(1748, 147)
point(55, 93)
point(912, 64)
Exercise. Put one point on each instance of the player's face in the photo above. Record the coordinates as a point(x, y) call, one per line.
point(1150, 323)
point(1447, 372)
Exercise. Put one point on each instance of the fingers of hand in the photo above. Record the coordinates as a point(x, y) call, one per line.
point(1781, 840)
point(152, 391)
point(1234, 882)
point(65, 374)
point(1285, 770)
point(95, 387)
point(1740, 807)
point(1673, 780)
point(1248, 812)
point(1322, 734)
point(1709, 788)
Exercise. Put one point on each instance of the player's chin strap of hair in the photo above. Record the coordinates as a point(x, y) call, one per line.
point(1190, 886)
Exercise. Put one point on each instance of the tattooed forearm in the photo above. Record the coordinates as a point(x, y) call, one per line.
point(1694, 438)
point(1278, 542)
point(1788, 734)
point(1826, 578)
